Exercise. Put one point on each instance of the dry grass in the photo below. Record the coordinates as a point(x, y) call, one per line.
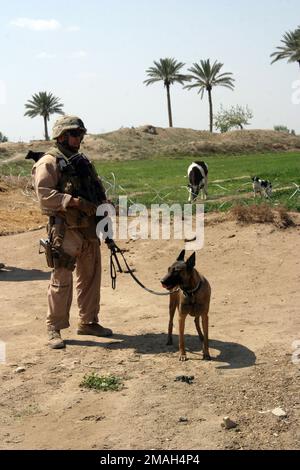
point(283, 219)
point(262, 214)
point(19, 210)
point(10, 182)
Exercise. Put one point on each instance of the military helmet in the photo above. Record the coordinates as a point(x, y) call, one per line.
point(67, 123)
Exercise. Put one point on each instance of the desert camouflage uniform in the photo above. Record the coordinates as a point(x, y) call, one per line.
point(79, 241)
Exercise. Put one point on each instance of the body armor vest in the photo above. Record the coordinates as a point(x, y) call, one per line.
point(79, 178)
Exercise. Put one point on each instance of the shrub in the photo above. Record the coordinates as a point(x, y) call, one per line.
point(3, 137)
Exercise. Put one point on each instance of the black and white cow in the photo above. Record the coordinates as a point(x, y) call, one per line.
point(263, 187)
point(198, 180)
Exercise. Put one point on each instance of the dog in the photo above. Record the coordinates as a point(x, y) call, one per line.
point(198, 180)
point(192, 297)
point(263, 187)
point(35, 156)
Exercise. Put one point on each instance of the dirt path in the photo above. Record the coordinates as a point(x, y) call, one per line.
point(254, 272)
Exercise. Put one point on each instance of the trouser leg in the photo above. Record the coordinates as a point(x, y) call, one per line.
point(60, 293)
point(88, 272)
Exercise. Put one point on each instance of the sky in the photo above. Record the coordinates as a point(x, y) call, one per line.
point(94, 54)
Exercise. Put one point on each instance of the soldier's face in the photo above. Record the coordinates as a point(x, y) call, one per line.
point(74, 142)
point(72, 139)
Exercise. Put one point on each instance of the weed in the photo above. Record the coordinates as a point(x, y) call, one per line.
point(101, 383)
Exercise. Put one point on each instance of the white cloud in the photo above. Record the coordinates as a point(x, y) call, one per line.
point(73, 28)
point(45, 55)
point(78, 55)
point(36, 25)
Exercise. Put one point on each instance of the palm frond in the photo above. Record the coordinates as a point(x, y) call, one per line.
point(43, 104)
point(290, 49)
point(166, 70)
point(205, 76)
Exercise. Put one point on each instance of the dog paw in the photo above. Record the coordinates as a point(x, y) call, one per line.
point(182, 357)
point(206, 357)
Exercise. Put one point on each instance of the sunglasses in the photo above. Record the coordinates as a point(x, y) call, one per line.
point(76, 132)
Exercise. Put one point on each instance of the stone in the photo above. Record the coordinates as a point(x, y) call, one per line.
point(228, 423)
point(279, 412)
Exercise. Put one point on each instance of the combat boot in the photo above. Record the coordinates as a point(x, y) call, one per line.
point(54, 339)
point(93, 329)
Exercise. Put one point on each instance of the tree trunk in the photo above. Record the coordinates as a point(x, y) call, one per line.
point(169, 106)
point(46, 128)
point(210, 111)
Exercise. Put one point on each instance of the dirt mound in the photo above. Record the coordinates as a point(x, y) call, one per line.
point(148, 140)
point(262, 214)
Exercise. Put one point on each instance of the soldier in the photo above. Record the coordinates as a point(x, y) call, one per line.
point(69, 191)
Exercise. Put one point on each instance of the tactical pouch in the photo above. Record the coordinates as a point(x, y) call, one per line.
point(46, 245)
point(63, 260)
point(53, 245)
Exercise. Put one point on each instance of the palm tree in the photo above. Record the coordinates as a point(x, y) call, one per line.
point(43, 104)
point(291, 48)
point(166, 70)
point(207, 76)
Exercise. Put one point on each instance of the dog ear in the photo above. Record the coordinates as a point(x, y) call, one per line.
point(181, 256)
point(190, 262)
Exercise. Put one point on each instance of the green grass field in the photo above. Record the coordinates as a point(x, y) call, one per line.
point(163, 179)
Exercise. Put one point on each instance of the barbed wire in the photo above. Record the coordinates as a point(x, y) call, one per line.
point(113, 190)
point(163, 194)
point(297, 190)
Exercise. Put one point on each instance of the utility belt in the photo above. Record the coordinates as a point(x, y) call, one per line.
point(56, 257)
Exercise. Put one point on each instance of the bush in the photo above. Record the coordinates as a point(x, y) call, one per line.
point(284, 129)
point(261, 214)
point(234, 118)
point(256, 213)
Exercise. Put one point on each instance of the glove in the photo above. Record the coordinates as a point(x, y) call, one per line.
point(87, 207)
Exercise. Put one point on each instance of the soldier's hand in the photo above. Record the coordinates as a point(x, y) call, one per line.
point(86, 206)
point(111, 244)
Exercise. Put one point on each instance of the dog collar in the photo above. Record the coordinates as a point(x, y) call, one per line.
point(188, 293)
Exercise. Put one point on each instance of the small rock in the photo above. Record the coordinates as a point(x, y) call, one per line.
point(182, 419)
point(228, 423)
point(279, 412)
point(20, 369)
point(184, 378)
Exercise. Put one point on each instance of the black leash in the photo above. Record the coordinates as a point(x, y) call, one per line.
point(113, 272)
